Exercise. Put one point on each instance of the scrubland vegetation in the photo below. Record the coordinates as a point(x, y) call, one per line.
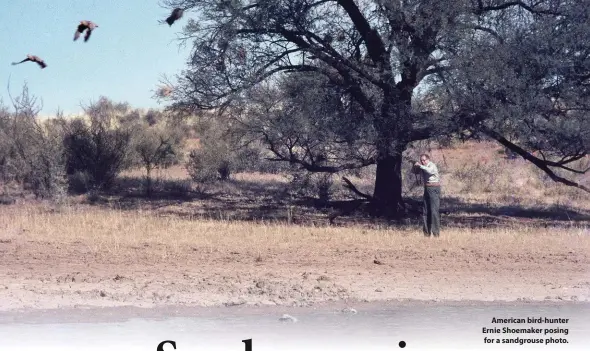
point(119, 158)
point(131, 207)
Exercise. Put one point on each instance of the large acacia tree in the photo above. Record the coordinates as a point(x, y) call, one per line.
point(514, 71)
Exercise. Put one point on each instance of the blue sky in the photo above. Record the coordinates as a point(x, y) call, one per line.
point(123, 60)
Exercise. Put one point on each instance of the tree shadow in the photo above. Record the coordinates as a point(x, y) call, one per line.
point(274, 201)
point(228, 200)
point(459, 213)
point(129, 193)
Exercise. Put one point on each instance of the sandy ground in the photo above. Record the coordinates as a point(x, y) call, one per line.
point(51, 275)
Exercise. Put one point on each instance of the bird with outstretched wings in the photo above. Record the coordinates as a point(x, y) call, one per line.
point(87, 26)
point(33, 58)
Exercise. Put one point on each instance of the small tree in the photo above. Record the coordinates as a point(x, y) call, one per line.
point(156, 147)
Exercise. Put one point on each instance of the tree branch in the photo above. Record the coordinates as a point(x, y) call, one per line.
point(312, 167)
point(489, 31)
point(543, 165)
point(375, 46)
point(481, 9)
point(348, 185)
point(339, 63)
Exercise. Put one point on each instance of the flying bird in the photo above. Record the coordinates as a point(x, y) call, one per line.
point(33, 58)
point(87, 26)
point(174, 16)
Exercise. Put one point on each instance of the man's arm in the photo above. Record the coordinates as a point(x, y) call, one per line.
point(429, 168)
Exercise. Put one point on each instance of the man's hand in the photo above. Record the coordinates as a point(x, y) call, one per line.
point(416, 168)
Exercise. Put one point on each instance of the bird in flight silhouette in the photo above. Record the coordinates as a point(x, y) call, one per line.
point(174, 16)
point(33, 58)
point(87, 26)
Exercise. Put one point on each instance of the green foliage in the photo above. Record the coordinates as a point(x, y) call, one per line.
point(214, 160)
point(99, 147)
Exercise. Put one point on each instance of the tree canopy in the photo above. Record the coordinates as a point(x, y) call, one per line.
point(398, 71)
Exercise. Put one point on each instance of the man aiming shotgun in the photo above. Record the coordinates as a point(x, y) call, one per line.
point(431, 201)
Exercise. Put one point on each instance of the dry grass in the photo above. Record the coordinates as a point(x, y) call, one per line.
point(120, 233)
point(480, 189)
point(478, 173)
point(177, 172)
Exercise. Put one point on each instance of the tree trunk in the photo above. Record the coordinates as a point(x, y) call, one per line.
point(388, 187)
point(149, 181)
point(388, 201)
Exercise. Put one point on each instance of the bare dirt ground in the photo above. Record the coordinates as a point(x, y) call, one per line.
point(115, 259)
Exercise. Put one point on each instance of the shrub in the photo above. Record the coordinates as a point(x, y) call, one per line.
point(100, 148)
point(31, 152)
point(80, 182)
point(220, 153)
point(317, 185)
point(205, 165)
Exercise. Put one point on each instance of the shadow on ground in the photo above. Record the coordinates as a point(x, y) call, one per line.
point(275, 201)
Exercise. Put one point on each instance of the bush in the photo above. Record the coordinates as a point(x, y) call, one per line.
point(99, 153)
point(80, 182)
point(205, 165)
point(256, 159)
point(47, 175)
point(220, 153)
point(31, 152)
point(99, 148)
point(317, 185)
